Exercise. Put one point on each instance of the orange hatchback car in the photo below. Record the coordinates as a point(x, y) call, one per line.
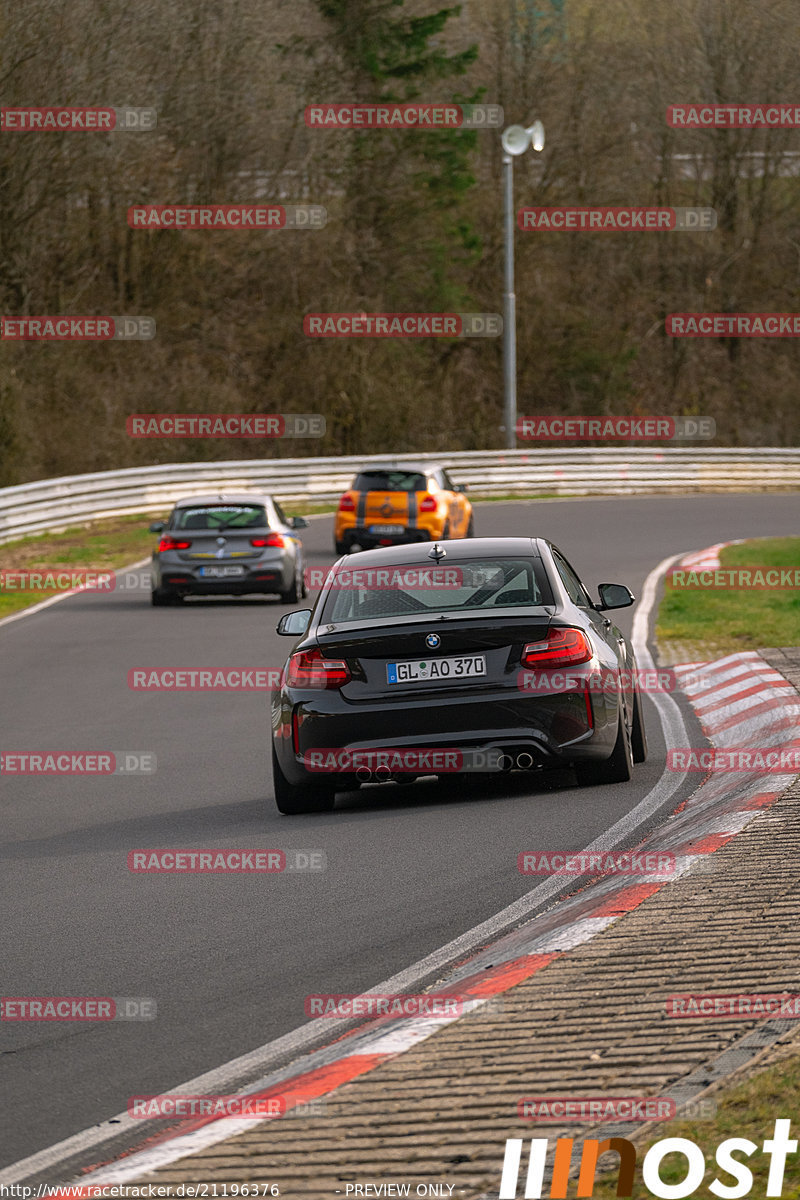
point(390, 506)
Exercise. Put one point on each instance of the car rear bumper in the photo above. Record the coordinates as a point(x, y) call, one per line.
point(369, 541)
point(264, 581)
point(554, 730)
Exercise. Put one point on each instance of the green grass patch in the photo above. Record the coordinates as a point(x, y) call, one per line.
point(101, 545)
point(725, 621)
point(748, 1110)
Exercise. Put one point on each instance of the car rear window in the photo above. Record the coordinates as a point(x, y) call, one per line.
point(221, 516)
point(479, 585)
point(390, 481)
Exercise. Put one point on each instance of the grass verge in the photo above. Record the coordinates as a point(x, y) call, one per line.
point(100, 546)
point(725, 621)
point(747, 1110)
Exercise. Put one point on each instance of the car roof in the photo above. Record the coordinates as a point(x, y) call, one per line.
point(458, 550)
point(223, 498)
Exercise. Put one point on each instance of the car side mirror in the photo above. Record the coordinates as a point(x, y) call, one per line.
point(298, 523)
point(157, 527)
point(294, 623)
point(614, 595)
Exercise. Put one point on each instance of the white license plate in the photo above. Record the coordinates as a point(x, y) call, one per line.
point(387, 528)
point(221, 572)
point(431, 670)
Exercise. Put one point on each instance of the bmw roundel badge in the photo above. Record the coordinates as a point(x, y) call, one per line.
point(433, 640)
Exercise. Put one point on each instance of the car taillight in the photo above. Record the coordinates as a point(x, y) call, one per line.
point(427, 504)
point(168, 543)
point(312, 668)
point(347, 503)
point(272, 539)
point(562, 648)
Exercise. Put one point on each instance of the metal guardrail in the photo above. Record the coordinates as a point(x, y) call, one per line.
point(54, 504)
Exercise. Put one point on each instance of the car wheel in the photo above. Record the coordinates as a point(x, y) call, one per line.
point(470, 528)
point(293, 594)
point(160, 598)
point(292, 799)
point(638, 734)
point(303, 584)
point(340, 547)
point(616, 769)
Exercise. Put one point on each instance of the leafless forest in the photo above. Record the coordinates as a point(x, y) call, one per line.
point(414, 219)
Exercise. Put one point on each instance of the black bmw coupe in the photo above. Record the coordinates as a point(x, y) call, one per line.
point(479, 655)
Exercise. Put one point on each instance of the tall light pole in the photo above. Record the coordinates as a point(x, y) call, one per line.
point(516, 140)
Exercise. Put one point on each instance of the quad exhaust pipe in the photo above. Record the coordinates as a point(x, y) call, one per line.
point(523, 762)
point(381, 774)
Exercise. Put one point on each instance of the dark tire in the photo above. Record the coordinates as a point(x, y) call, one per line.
point(160, 598)
point(616, 769)
point(470, 528)
point(291, 799)
point(293, 593)
point(340, 547)
point(638, 733)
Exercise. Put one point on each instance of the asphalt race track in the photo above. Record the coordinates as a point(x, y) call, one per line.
point(229, 959)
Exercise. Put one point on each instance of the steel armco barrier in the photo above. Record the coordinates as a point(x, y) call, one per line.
point(54, 504)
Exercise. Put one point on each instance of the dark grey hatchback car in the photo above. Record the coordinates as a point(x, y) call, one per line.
point(228, 544)
point(475, 655)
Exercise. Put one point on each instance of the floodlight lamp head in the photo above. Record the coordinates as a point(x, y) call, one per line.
point(516, 140)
